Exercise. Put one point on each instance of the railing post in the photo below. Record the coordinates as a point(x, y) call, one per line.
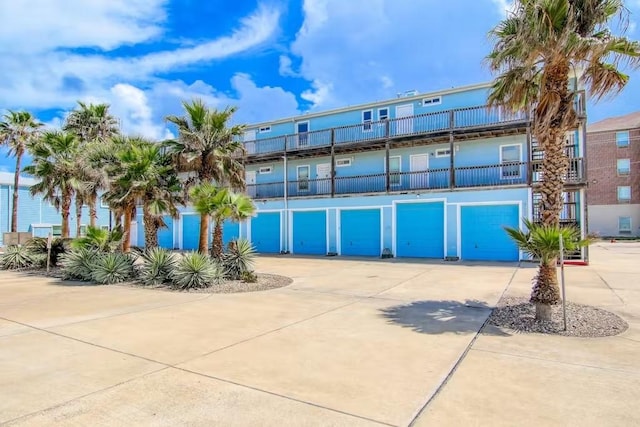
point(452, 170)
point(387, 128)
point(529, 153)
point(386, 162)
point(452, 118)
point(333, 163)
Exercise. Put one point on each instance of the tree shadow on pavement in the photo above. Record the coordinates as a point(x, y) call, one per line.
point(441, 317)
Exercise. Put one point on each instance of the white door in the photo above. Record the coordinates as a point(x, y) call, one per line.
point(250, 141)
point(250, 180)
point(419, 168)
point(404, 119)
point(323, 173)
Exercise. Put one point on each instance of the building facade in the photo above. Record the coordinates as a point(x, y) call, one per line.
point(36, 215)
point(429, 176)
point(613, 195)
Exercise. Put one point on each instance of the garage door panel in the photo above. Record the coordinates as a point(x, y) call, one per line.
point(190, 232)
point(265, 232)
point(165, 234)
point(420, 230)
point(360, 232)
point(231, 231)
point(482, 232)
point(310, 233)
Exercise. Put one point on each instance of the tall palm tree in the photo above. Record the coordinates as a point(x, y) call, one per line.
point(208, 147)
point(537, 47)
point(17, 130)
point(55, 166)
point(542, 241)
point(143, 174)
point(220, 204)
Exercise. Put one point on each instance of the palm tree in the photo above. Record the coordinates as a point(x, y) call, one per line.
point(542, 242)
point(143, 174)
point(55, 166)
point(17, 130)
point(537, 47)
point(221, 205)
point(207, 146)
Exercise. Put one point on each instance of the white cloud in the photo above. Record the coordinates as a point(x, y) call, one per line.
point(504, 6)
point(284, 68)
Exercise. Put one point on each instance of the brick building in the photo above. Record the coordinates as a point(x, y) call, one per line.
point(613, 195)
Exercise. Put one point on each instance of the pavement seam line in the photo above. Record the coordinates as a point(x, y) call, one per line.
point(457, 364)
point(610, 288)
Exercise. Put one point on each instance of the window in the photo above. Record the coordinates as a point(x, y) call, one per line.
point(264, 169)
point(428, 102)
point(104, 227)
point(264, 129)
point(624, 224)
point(443, 152)
point(83, 230)
point(56, 230)
point(624, 166)
point(624, 193)
point(367, 118)
point(383, 114)
point(303, 178)
point(622, 139)
point(510, 158)
point(302, 129)
point(394, 170)
point(103, 203)
point(340, 163)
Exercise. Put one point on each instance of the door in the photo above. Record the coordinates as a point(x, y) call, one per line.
point(419, 168)
point(265, 232)
point(190, 232)
point(250, 180)
point(165, 234)
point(323, 173)
point(303, 179)
point(360, 232)
point(404, 119)
point(310, 232)
point(250, 141)
point(420, 230)
point(482, 234)
point(230, 231)
point(302, 129)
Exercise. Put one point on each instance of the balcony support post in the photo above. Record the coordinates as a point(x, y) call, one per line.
point(452, 165)
point(387, 176)
point(529, 153)
point(333, 163)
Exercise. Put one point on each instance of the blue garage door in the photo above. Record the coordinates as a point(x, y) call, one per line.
point(165, 234)
point(190, 232)
point(265, 232)
point(360, 232)
point(230, 231)
point(310, 233)
point(482, 234)
point(140, 236)
point(420, 230)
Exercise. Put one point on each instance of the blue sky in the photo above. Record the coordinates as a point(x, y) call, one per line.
point(271, 58)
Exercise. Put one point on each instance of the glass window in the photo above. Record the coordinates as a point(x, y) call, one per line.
point(624, 193)
point(303, 178)
point(394, 170)
point(367, 118)
point(56, 230)
point(510, 159)
point(624, 224)
point(624, 166)
point(622, 139)
point(383, 114)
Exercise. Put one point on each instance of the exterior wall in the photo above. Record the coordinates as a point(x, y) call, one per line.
point(603, 219)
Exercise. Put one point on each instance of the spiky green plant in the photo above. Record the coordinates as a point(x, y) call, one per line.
point(59, 246)
point(157, 265)
point(113, 268)
point(15, 257)
point(79, 264)
point(99, 239)
point(239, 259)
point(195, 270)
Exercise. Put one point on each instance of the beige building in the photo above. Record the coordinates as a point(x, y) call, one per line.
point(613, 195)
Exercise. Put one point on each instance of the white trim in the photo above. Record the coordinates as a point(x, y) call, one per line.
point(394, 234)
point(367, 123)
point(430, 102)
point(384, 161)
point(357, 208)
point(298, 177)
point(306, 134)
point(348, 159)
point(103, 205)
point(618, 167)
point(618, 193)
point(426, 155)
point(502, 176)
point(326, 214)
point(388, 113)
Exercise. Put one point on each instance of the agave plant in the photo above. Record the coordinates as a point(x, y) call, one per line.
point(157, 265)
point(113, 268)
point(59, 246)
point(239, 259)
point(99, 239)
point(15, 257)
point(195, 270)
point(80, 263)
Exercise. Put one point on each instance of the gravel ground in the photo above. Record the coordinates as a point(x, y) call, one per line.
point(265, 282)
point(518, 314)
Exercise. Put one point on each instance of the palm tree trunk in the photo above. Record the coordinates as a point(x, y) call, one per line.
point(126, 241)
point(203, 240)
point(78, 215)
point(93, 210)
point(65, 208)
point(546, 291)
point(216, 247)
point(16, 187)
point(150, 228)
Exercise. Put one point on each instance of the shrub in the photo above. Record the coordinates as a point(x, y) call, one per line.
point(113, 268)
point(249, 277)
point(15, 257)
point(99, 239)
point(239, 259)
point(195, 270)
point(59, 246)
point(157, 265)
point(79, 264)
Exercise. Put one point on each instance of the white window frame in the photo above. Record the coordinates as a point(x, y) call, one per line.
point(618, 167)
point(306, 134)
point(300, 188)
point(443, 152)
point(627, 138)
point(265, 169)
point(103, 205)
point(346, 162)
point(429, 102)
point(367, 125)
point(618, 193)
point(391, 183)
point(624, 230)
point(380, 118)
point(517, 164)
point(264, 129)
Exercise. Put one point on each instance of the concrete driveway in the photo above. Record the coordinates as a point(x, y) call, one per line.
point(350, 342)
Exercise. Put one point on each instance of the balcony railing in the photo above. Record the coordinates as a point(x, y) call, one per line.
point(505, 174)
